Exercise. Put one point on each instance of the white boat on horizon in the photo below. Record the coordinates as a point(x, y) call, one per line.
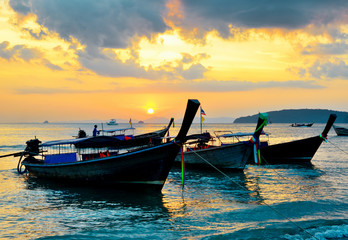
point(112, 122)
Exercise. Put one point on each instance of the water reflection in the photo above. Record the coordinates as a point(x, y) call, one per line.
point(65, 210)
point(205, 187)
point(280, 183)
point(94, 198)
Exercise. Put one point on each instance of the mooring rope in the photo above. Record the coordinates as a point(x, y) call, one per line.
point(276, 172)
point(338, 147)
point(244, 188)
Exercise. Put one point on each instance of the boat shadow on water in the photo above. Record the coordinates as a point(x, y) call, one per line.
point(301, 171)
point(230, 185)
point(61, 194)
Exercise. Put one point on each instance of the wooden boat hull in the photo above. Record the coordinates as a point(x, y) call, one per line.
point(230, 156)
point(341, 131)
point(299, 151)
point(147, 168)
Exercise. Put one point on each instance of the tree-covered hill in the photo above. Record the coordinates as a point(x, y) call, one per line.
point(298, 116)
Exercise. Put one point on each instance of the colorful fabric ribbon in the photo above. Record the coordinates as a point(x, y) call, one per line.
point(182, 167)
point(256, 147)
point(324, 138)
point(256, 141)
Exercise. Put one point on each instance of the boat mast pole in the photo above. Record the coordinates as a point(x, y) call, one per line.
point(200, 114)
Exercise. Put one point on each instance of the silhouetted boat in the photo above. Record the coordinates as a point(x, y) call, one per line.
point(298, 151)
point(340, 131)
point(233, 156)
point(301, 124)
point(139, 168)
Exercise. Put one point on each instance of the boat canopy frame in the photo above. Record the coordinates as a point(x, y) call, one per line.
point(236, 137)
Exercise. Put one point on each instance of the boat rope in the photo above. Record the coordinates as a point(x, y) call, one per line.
point(244, 188)
point(20, 165)
point(338, 147)
point(275, 171)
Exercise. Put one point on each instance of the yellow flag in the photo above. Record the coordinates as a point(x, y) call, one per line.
point(202, 119)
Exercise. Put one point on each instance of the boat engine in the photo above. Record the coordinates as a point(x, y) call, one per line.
point(33, 147)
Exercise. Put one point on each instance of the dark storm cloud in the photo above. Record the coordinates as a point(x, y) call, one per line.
point(21, 6)
point(105, 23)
point(115, 23)
point(262, 13)
point(112, 24)
point(266, 13)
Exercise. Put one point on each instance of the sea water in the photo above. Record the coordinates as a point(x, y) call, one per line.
point(262, 202)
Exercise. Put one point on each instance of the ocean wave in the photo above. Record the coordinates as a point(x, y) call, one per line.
point(9, 147)
point(323, 233)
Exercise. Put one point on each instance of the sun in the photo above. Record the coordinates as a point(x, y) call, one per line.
point(150, 111)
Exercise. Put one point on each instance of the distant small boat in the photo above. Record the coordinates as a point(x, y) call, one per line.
point(112, 122)
point(340, 131)
point(301, 124)
point(45, 122)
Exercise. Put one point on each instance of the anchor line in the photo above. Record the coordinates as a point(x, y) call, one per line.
point(338, 147)
point(275, 210)
point(276, 172)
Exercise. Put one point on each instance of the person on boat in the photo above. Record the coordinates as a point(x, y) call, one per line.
point(95, 131)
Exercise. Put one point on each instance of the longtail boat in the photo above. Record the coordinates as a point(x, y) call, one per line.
point(298, 151)
point(340, 131)
point(234, 156)
point(144, 168)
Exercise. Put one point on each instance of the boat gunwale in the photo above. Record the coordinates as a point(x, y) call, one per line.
point(98, 159)
point(213, 147)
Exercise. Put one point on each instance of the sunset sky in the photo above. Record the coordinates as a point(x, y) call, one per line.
point(71, 60)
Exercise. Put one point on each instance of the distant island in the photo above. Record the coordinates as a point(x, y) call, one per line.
point(297, 116)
